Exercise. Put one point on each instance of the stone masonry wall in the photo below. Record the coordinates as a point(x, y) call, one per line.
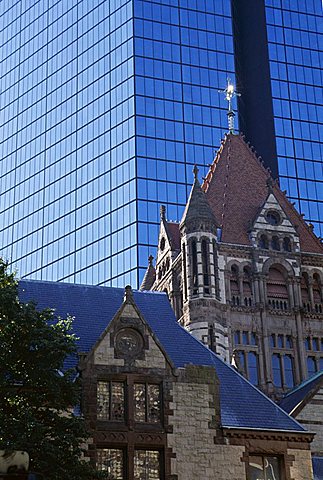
point(301, 468)
point(196, 437)
point(312, 418)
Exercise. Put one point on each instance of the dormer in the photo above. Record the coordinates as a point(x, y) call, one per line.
point(272, 228)
point(168, 245)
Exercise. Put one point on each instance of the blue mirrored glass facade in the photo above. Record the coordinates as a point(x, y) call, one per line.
point(105, 106)
point(294, 30)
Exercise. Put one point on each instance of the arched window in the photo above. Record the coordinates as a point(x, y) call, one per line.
point(277, 293)
point(263, 241)
point(287, 246)
point(275, 243)
point(234, 285)
point(317, 293)
point(184, 271)
point(205, 267)
point(247, 286)
point(194, 268)
point(305, 292)
point(215, 263)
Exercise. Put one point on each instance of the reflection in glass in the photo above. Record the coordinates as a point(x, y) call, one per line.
point(277, 374)
point(253, 368)
point(311, 366)
point(263, 468)
point(289, 371)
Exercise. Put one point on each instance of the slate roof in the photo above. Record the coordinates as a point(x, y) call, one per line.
point(236, 188)
point(242, 405)
point(317, 468)
point(197, 205)
point(301, 392)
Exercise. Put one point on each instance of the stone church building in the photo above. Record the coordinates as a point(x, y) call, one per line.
point(159, 405)
point(243, 272)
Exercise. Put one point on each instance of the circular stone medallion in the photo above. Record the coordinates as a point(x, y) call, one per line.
point(129, 342)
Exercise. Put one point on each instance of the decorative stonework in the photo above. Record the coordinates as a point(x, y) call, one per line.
point(252, 270)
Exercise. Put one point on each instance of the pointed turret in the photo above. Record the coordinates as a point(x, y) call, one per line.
point(150, 275)
point(198, 211)
point(201, 293)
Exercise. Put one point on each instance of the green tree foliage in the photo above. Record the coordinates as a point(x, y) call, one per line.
point(36, 393)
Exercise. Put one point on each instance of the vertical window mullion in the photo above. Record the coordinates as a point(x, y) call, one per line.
point(146, 402)
point(110, 399)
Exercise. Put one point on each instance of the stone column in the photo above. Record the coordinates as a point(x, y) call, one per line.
point(266, 350)
point(227, 286)
point(297, 366)
point(310, 291)
point(262, 289)
point(300, 346)
point(290, 292)
point(297, 292)
point(241, 289)
point(256, 290)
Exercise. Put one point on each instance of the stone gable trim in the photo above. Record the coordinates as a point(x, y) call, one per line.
point(120, 322)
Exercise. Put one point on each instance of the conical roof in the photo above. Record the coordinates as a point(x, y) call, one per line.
point(236, 187)
point(197, 206)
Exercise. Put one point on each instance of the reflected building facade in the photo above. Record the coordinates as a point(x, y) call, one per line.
point(106, 105)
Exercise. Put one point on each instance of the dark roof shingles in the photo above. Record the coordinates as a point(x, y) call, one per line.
point(242, 405)
point(236, 189)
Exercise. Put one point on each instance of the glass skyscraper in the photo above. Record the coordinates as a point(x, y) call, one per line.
point(295, 39)
point(107, 104)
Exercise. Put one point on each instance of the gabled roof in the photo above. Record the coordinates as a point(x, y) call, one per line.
point(300, 395)
point(236, 188)
point(242, 405)
point(197, 206)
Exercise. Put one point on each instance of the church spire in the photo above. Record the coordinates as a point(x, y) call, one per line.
point(197, 207)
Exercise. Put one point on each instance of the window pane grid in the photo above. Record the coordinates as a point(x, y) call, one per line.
point(147, 465)
point(111, 461)
point(110, 401)
point(147, 407)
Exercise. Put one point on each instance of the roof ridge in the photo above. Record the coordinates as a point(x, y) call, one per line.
point(33, 280)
